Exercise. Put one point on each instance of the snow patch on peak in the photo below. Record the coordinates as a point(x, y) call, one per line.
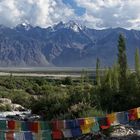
point(25, 26)
point(69, 25)
point(74, 26)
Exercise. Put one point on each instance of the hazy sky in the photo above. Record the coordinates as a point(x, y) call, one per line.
point(92, 13)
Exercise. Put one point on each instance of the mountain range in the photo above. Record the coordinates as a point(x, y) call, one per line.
point(63, 45)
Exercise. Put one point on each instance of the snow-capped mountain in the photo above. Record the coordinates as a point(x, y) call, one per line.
point(64, 44)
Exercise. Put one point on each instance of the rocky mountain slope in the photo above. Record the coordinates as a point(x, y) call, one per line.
point(64, 44)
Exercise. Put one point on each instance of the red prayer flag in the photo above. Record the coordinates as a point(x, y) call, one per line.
point(61, 124)
point(133, 114)
point(57, 135)
point(9, 135)
point(104, 123)
point(81, 121)
point(11, 124)
point(34, 126)
point(58, 124)
point(54, 124)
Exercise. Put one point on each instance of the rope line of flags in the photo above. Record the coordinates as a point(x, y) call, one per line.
point(60, 129)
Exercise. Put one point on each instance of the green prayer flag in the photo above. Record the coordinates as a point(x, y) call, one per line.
point(3, 125)
point(95, 127)
point(24, 126)
point(2, 136)
point(46, 135)
point(44, 125)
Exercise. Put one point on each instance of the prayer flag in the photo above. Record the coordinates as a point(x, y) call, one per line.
point(57, 135)
point(103, 123)
point(28, 136)
point(85, 129)
point(138, 112)
point(46, 135)
point(133, 114)
point(9, 135)
point(24, 126)
point(3, 125)
point(81, 121)
point(11, 124)
point(58, 124)
point(95, 127)
point(2, 135)
point(34, 127)
point(72, 124)
point(67, 133)
point(122, 117)
point(76, 132)
point(111, 118)
point(17, 125)
point(19, 136)
point(44, 125)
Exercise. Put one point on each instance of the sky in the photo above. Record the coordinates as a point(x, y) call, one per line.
point(96, 14)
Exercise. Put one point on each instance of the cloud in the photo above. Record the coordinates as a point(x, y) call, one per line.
point(36, 12)
point(111, 13)
point(97, 13)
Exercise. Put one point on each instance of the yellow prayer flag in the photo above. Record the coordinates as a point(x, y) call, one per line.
point(85, 129)
point(39, 126)
point(89, 121)
point(138, 112)
point(111, 118)
point(17, 125)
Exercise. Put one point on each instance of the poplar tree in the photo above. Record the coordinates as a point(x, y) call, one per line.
point(109, 78)
point(115, 75)
point(137, 62)
point(97, 72)
point(122, 62)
